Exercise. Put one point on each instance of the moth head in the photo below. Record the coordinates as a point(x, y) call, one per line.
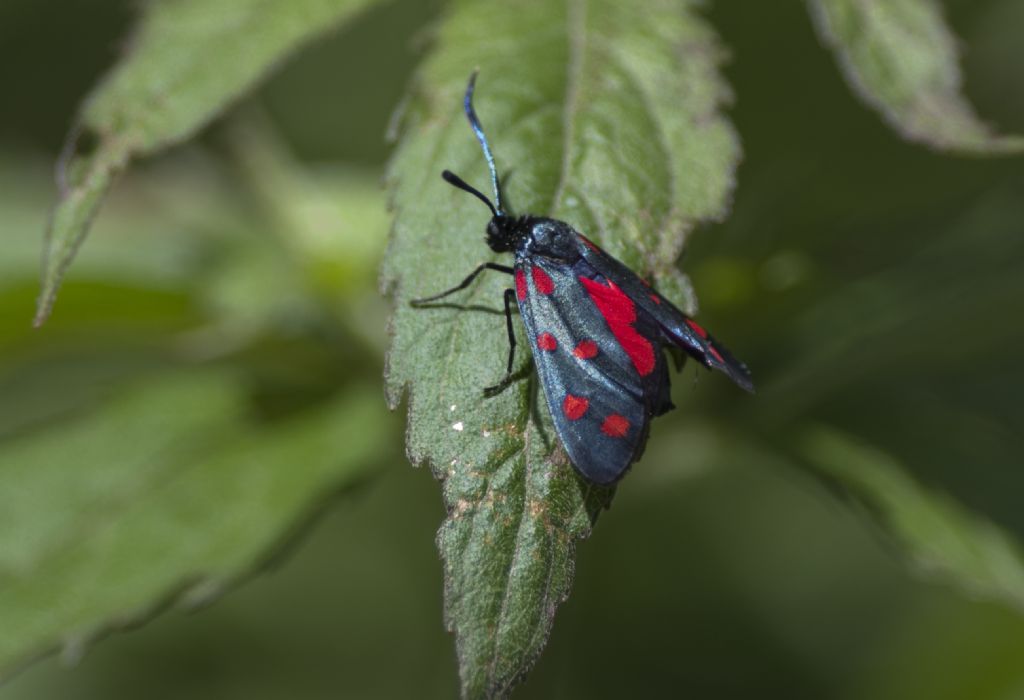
point(502, 233)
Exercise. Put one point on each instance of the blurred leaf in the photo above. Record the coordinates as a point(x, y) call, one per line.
point(158, 226)
point(940, 538)
point(329, 227)
point(332, 222)
point(898, 320)
point(901, 59)
point(167, 494)
point(188, 61)
point(601, 116)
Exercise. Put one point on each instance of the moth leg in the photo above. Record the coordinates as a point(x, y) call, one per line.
point(510, 298)
point(466, 282)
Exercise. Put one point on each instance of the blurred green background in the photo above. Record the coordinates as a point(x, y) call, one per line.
point(872, 285)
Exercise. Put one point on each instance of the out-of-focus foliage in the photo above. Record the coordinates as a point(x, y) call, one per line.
point(873, 286)
point(209, 389)
point(179, 497)
point(937, 536)
point(186, 61)
point(901, 58)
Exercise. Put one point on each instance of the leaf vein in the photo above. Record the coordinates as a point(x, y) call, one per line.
point(576, 33)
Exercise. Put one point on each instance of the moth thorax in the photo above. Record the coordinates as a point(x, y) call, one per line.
point(552, 238)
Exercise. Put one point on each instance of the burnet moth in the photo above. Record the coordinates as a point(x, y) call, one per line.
point(597, 331)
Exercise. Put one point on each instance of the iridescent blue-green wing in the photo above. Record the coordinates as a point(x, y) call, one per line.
point(676, 327)
point(602, 393)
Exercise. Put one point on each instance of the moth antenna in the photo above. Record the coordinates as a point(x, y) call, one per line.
point(453, 179)
point(478, 129)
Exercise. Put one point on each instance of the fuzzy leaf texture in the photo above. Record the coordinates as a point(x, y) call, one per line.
point(598, 115)
point(188, 60)
point(98, 532)
point(901, 58)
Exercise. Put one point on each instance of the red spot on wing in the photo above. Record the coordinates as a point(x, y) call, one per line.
point(655, 298)
point(696, 328)
point(546, 341)
point(615, 426)
point(585, 350)
point(542, 281)
point(620, 314)
point(520, 284)
point(574, 406)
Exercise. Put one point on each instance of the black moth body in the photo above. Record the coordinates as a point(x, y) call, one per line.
point(597, 332)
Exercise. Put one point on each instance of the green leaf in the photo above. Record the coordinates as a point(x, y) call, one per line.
point(602, 116)
point(901, 58)
point(169, 493)
point(940, 538)
point(189, 59)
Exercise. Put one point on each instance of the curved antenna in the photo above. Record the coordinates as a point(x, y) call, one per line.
point(453, 179)
point(478, 129)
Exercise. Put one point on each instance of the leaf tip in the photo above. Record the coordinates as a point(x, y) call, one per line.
point(49, 282)
point(44, 306)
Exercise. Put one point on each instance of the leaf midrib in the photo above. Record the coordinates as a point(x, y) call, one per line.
point(576, 40)
point(575, 23)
